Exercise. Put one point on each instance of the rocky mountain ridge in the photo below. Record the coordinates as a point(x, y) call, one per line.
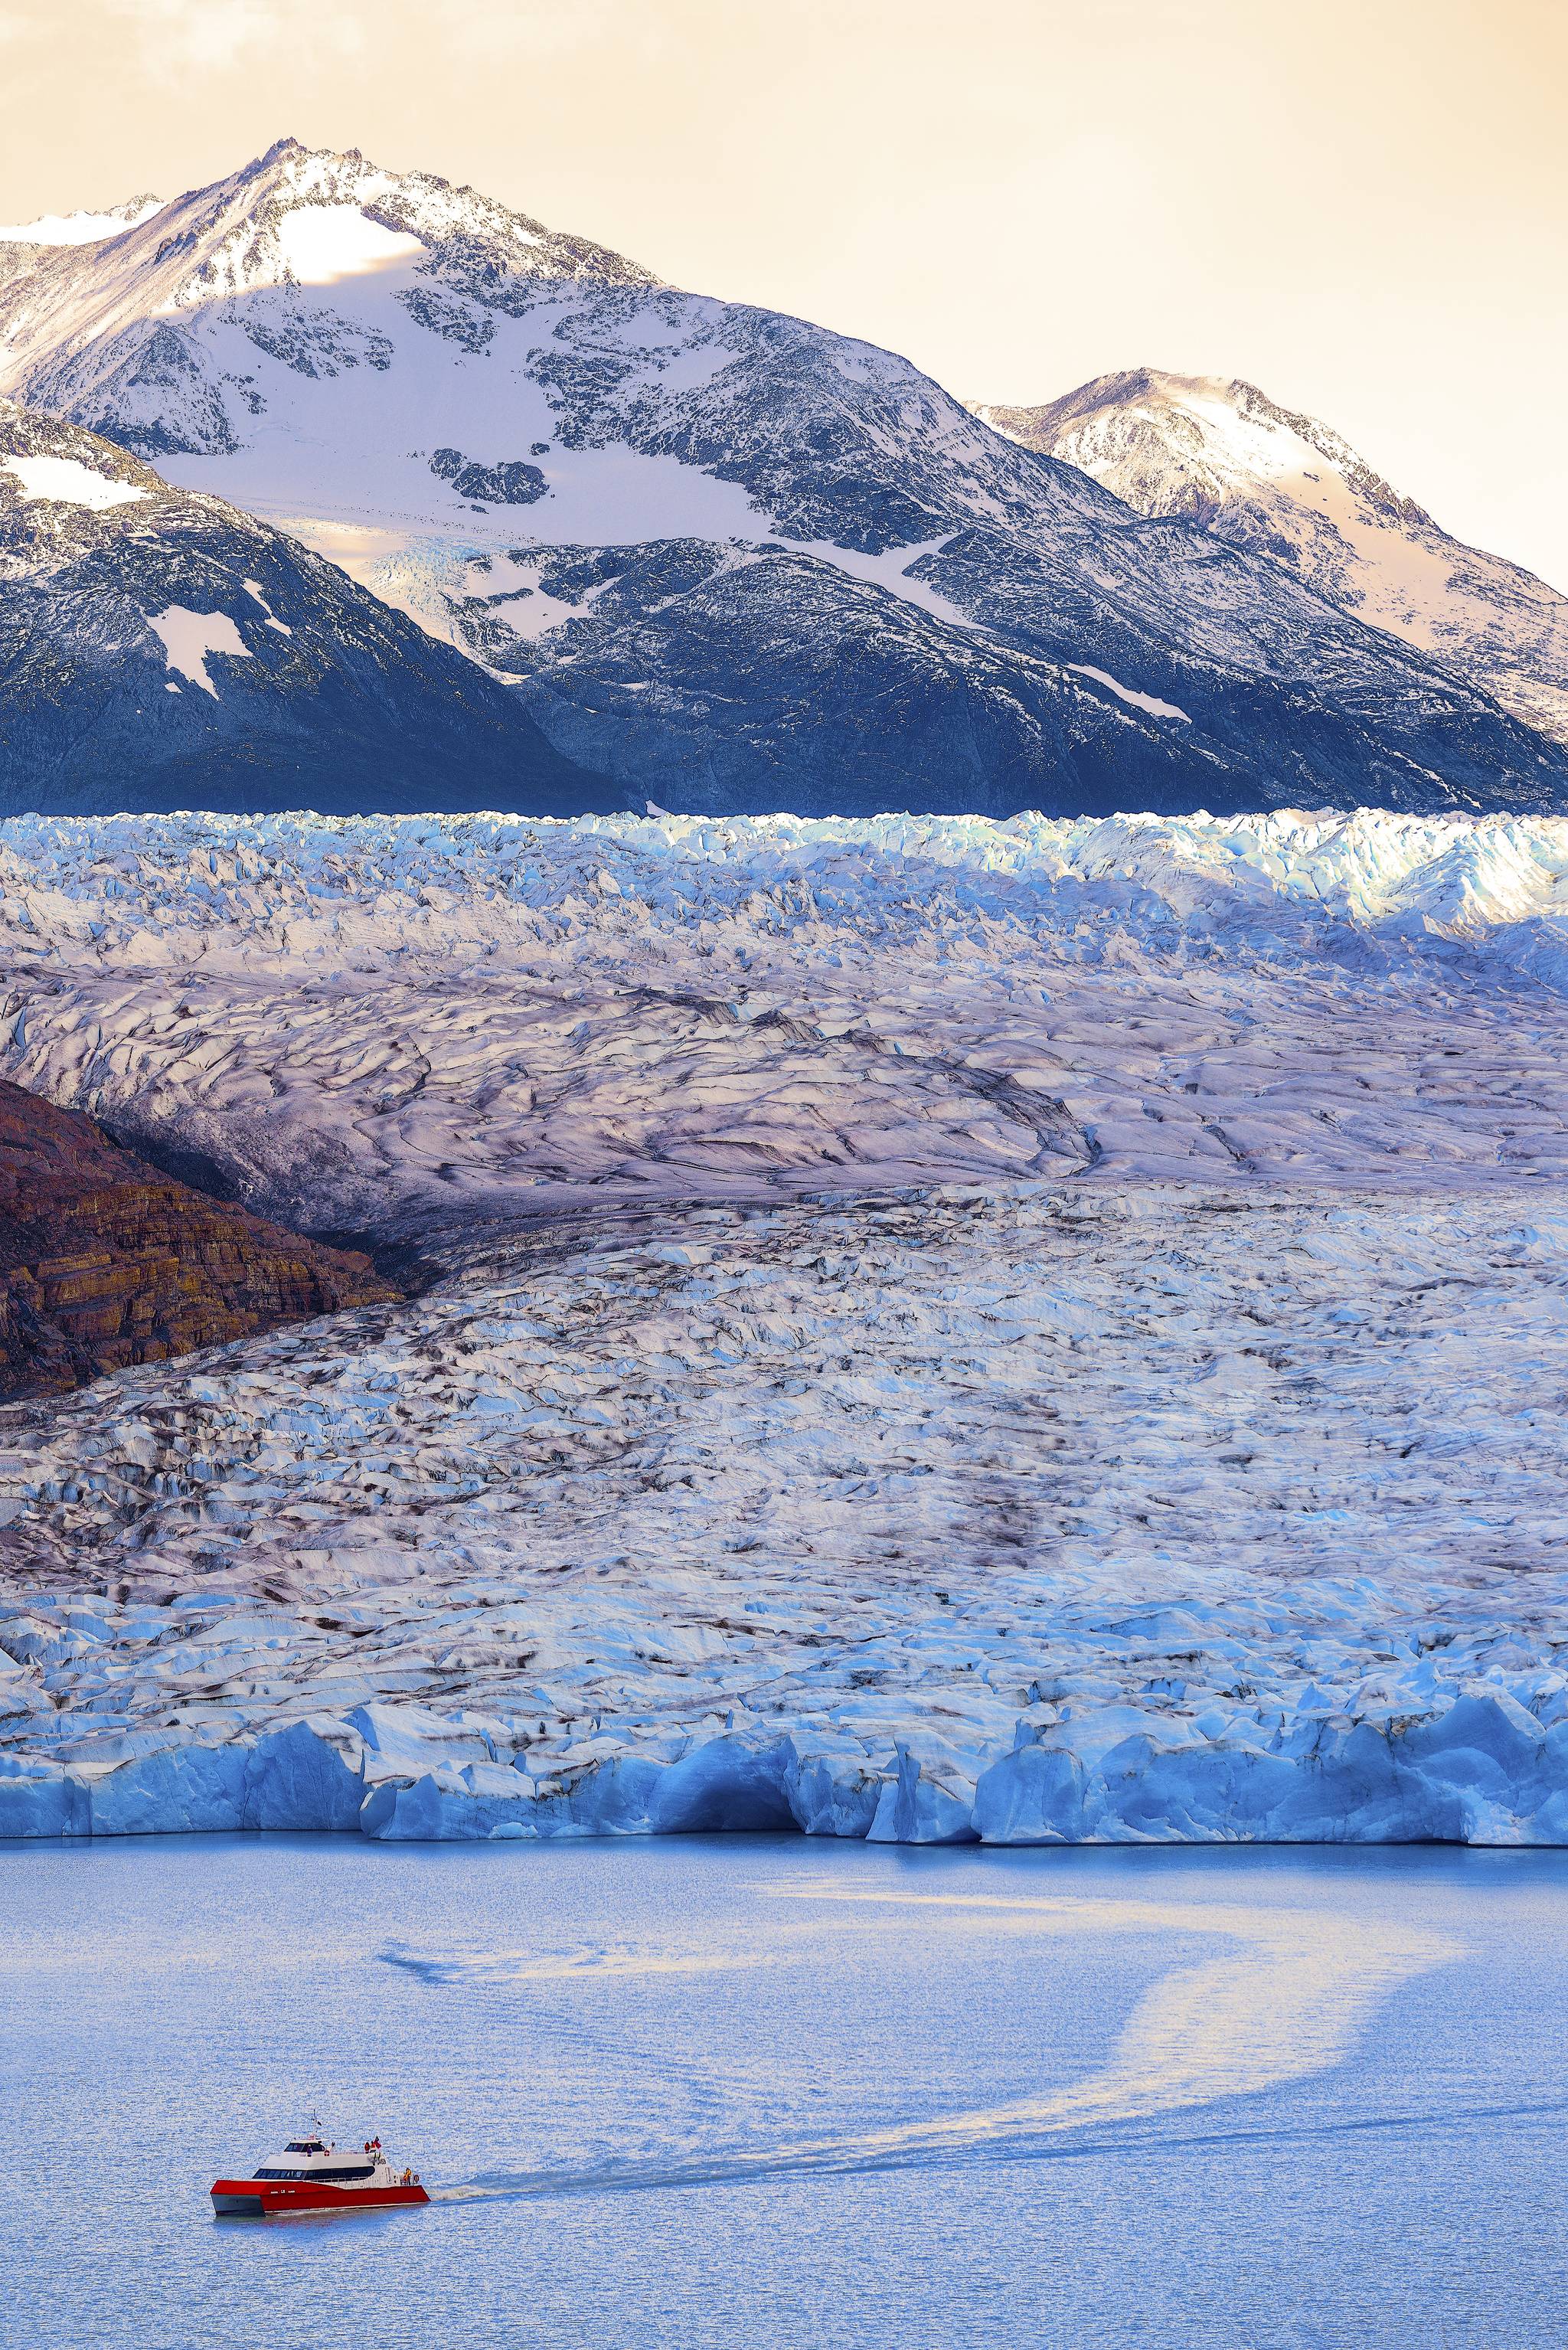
point(82, 227)
point(723, 557)
point(1284, 484)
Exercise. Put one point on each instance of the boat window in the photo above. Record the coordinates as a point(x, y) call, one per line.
point(338, 2175)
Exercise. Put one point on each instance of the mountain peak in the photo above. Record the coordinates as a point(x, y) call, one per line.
point(420, 204)
point(1219, 452)
point(83, 228)
point(123, 333)
point(1197, 437)
point(702, 541)
point(235, 237)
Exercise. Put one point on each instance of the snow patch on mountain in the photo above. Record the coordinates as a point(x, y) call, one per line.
point(189, 637)
point(253, 589)
point(891, 568)
point(320, 244)
point(1128, 693)
point(66, 481)
point(381, 503)
point(509, 587)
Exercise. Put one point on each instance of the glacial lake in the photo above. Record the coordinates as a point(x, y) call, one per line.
point(788, 2093)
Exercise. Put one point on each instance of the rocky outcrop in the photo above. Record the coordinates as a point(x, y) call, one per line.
point(106, 1261)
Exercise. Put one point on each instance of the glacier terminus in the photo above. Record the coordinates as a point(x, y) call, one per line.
point(924, 1330)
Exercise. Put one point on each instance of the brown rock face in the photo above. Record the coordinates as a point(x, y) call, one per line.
point(106, 1261)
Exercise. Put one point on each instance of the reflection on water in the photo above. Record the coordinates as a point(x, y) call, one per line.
point(865, 2098)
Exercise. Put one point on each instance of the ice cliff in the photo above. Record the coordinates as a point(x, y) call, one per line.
point(940, 1329)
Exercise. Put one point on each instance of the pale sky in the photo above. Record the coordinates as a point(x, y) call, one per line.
point(1358, 204)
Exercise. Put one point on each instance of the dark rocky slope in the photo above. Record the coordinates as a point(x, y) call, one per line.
point(106, 1261)
point(159, 648)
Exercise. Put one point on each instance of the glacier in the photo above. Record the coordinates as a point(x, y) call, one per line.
point(927, 1329)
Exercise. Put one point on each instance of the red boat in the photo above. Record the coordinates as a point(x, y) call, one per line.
point(311, 2176)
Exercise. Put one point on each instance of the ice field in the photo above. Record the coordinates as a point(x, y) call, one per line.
point(931, 1329)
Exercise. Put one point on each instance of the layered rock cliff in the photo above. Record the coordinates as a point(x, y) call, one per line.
point(105, 1261)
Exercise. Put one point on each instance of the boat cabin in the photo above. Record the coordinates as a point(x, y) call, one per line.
point(310, 2157)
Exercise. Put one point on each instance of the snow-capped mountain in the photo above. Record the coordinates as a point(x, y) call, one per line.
point(726, 557)
point(1262, 477)
point(157, 647)
point(82, 227)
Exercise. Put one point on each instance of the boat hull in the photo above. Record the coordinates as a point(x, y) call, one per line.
point(268, 2198)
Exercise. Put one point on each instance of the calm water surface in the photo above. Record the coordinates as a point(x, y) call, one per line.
point(792, 2095)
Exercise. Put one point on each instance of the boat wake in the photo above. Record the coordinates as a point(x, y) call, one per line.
point(1287, 1998)
point(586, 1958)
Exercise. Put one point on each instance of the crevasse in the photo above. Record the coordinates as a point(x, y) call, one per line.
point(1043, 1332)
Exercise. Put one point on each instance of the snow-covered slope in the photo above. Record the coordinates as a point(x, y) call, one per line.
point(727, 557)
point(157, 646)
point(84, 227)
point(1264, 477)
point(937, 1328)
